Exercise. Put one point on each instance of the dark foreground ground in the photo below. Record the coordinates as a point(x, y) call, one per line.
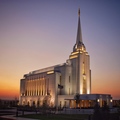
point(67, 117)
point(38, 116)
point(57, 117)
point(5, 118)
point(5, 112)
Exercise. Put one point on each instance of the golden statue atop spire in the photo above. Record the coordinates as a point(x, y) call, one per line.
point(79, 12)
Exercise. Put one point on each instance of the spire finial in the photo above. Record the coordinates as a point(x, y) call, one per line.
point(79, 12)
point(79, 32)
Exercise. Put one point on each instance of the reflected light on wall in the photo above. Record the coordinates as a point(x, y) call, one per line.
point(80, 91)
point(75, 56)
point(52, 100)
point(50, 72)
point(88, 92)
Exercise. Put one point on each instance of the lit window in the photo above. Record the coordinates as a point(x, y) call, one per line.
point(83, 68)
point(69, 79)
point(69, 91)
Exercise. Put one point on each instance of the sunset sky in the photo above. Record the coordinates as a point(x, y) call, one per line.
point(36, 34)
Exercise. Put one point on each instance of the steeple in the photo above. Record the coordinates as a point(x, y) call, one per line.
point(79, 43)
point(79, 32)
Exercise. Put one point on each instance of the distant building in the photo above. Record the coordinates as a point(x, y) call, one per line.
point(57, 85)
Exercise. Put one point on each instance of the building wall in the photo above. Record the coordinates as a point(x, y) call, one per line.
point(62, 102)
point(35, 87)
point(80, 65)
point(73, 76)
point(68, 80)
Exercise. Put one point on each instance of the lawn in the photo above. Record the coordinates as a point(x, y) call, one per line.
point(57, 117)
point(113, 116)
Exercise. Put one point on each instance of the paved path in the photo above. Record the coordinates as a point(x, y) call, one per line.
point(12, 117)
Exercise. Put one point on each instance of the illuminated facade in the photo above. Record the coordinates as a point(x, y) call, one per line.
point(57, 85)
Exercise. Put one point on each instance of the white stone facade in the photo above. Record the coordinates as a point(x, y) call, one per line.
point(60, 82)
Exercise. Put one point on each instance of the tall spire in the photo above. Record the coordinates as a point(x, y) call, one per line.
point(79, 32)
point(79, 45)
point(79, 12)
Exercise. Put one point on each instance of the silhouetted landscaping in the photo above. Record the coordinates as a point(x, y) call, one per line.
point(46, 113)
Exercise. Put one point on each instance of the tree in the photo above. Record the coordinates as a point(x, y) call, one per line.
point(119, 109)
point(105, 107)
point(77, 98)
point(45, 107)
point(105, 111)
point(97, 113)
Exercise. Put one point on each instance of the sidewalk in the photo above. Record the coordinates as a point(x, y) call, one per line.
point(12, 117)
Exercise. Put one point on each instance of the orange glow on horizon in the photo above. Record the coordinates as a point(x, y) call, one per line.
point(9, 95)
point(9, 92)
point(105, 88)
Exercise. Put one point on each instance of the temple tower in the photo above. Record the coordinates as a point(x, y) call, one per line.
point(80, 61)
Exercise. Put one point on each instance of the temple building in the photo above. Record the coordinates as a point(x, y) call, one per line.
point(58, 85)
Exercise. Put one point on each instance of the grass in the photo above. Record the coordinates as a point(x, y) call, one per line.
point(57, 117)
point(113, 116)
